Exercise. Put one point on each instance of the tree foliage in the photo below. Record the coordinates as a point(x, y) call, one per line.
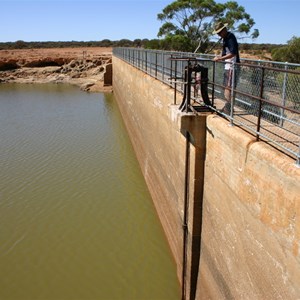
point(289, 53)
point(193, 20)
point(73, 44)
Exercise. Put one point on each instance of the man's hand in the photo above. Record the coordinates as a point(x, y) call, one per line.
point(217, 58)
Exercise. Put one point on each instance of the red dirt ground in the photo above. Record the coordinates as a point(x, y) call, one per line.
point(35, 54)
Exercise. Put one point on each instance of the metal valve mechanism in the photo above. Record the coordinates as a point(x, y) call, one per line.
point(195, 75)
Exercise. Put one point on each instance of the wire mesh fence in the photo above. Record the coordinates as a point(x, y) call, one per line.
point(264, 96)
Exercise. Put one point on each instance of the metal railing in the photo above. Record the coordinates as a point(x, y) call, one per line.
point(265, 96)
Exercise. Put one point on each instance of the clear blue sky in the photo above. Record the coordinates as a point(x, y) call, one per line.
point(95, 20)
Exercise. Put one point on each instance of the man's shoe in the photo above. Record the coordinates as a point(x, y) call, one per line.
point(226, 109)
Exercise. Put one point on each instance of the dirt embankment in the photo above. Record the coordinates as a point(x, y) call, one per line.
point(84, 67)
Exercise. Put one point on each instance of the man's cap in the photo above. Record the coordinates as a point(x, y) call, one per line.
point(219, 27)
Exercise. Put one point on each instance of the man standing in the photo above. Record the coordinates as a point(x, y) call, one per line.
point(230, 54)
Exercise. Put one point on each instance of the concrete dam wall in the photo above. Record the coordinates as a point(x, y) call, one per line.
point(229, 205)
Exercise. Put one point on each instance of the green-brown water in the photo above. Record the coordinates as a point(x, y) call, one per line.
point(76, 219)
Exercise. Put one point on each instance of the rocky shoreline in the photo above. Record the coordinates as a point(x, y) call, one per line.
point(84, 68)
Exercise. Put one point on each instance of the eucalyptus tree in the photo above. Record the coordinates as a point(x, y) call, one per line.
point(289, 53)
point(188, 24)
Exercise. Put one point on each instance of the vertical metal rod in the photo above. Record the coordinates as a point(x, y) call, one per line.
point(213, 84)
point(156, 65)
point(284, 86)
point(146, 61)
point(153, 63)
point(133, 58)
point(175, 85)
point(171, 69)
point(298, 158)
point(185, 215)
point(189, 80)
point(150, 63)
point(163, 67)
point(232, 94)
point(260, 102)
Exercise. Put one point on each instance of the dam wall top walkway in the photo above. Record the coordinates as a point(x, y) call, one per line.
point(265, 101)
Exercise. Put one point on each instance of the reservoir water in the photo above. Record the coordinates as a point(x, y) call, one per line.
point(76, 218)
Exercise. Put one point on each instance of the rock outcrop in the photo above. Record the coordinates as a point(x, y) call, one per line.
point(86, 72)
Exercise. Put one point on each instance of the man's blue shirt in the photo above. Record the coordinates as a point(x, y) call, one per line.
point(230, 45)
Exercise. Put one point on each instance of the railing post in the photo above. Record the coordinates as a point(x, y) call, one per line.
point(175, 85)
point(260, 102)
point(156, 65)
point(146, 61)
point(133, 57)
point(232, 94)
point(284, 86)
point(163, 67)
point(171, 67)
point(298, 158)
point(213, 84)
point(188, 86)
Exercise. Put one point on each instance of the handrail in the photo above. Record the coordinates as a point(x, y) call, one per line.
point(265, 100)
